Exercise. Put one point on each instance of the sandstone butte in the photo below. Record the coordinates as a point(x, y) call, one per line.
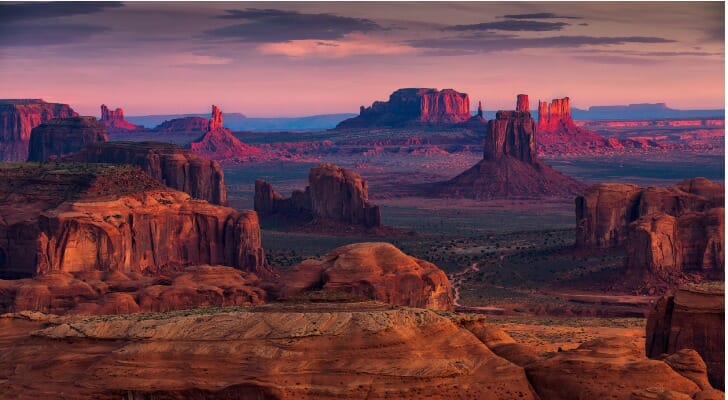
point(510, 167)
point(76, 217)
point(59, 137)
point(183, 125)
point(376, 271)
point(115, 122)
point(557, 132)
point(18, 117)
point(691, 317)
point(333, 194)
point(219, 143)
point(170, 164)
point(352, 350)
point(413, 106)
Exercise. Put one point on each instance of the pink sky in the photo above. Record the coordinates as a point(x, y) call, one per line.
point(288, 59)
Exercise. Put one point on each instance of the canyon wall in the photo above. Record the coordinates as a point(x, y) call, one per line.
point(18, 117)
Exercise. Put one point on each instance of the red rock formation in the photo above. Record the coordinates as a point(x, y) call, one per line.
point(611, 368)
point(413, 106)
point(17, 120)
point(558, 134)
point(75, 217)
point(59, 137)
point(604, 212)
point(183, 125)
point(115, 122)
point(667, 249)
point(115, 292)
point(510, 167)
point(522, 103)
point(278, 351)
point(334, 194)
point(691, 318)
point(218, 143)
point(172, 165)
point(377, 271)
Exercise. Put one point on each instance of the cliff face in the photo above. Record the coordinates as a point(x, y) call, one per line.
point(172, 165)
point(691, 318)
point(115, 122)
point(59, 137)
point(413, 106)
point(74, 217)
point(17, 120)
point(605, 211)
point(218, 143)
point(510, 166)
point(377, 271)
point(334, 194)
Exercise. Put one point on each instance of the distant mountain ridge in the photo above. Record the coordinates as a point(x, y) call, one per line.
point(239, 122)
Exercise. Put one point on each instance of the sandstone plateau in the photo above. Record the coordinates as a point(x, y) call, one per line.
point(170, 164)
point(77, 217)
point(413, 106)
point(17, 120)
point(693, 317)
point(376, 271)
point(183, 125)
point(510, 166)
point(218, 143)
point(334, 194)
point(59, 137)
point(115, 122)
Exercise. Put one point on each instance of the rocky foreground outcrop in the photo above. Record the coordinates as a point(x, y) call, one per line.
point(413, 106)
point(170, 164)
point(376, 271)
point(115, 122)
point(510, 166)
point(218, 143)
point(95, 292)
point(605, 211)
point(692, 317)
point(333, 194)
point(77, 217)
point(17, 120)
point(59, 137)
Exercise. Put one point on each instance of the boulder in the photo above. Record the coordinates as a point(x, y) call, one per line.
point(377, 271)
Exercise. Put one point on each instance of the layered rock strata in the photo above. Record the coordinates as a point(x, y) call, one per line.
point(59, 137)
point(17, 120)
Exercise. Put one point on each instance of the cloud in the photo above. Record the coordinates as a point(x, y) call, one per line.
point(20, 35)
point(353, 45)
point(184, 59)
point(617, 60)
point(538, 16)
point(504, 43)
point(31, 11)
point(510, 25)
point(269, 26)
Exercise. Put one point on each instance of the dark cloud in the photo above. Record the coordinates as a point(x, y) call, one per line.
point(19, 35)
point(538, 16)
point(10, 13)
point(510, 25)
point(493, 44)
point(268, 25)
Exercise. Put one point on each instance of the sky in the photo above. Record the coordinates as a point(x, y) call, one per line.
point(290, 59)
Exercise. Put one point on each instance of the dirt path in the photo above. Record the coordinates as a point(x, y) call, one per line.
point(456, 281)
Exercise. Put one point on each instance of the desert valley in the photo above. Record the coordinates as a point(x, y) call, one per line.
point(422, 248)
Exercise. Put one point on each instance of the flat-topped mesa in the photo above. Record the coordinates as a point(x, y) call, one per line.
point(511, 133)
point(76, 217)
point(170, 164)
point(219, 143)
point(413, 106)
point(605, 211)
point(554, 115)
point(333, 194)
point(59, 137)
point(183, 125)
point(215, 119)
point(114, 120)
point(522, 103)
point(18, 117)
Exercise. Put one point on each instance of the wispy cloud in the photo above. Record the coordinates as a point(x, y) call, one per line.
point(352, 45)
point(510, 25)
point(544, 15)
